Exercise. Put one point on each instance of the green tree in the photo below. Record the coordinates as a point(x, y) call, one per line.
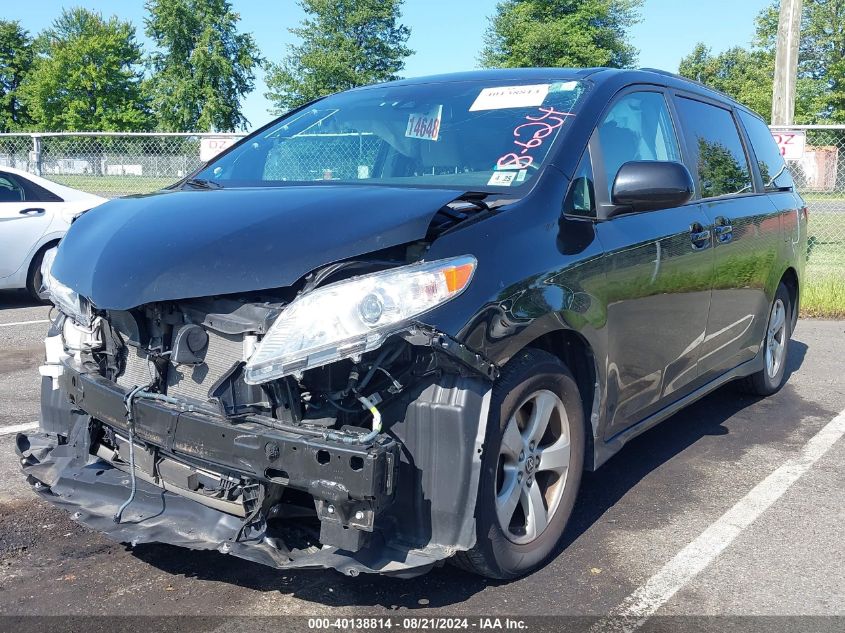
point(821, 58)
point(561, 33)
point(85, 76)
point(202, 68)
point(746, 73)
point(16, 55)
point(344, 44)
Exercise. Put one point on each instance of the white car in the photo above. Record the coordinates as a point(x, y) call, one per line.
point(34, 215)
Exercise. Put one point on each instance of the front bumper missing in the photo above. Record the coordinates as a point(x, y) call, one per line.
point(92, 490)
point(62, 469)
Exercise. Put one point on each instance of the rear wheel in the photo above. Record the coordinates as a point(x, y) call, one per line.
point(775, 347)
point(531, 467)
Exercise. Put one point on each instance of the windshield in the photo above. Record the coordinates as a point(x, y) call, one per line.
point(472, 135)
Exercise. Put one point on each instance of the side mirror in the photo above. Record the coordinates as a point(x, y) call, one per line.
point(651, 185)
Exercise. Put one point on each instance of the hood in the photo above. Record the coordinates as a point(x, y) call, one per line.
point(184, 244)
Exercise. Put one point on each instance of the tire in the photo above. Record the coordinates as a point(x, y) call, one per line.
point(514, 473)
point(33, 277)
point(775, 348)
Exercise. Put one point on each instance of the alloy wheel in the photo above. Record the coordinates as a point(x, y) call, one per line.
point(776, 339)
point(532, 467)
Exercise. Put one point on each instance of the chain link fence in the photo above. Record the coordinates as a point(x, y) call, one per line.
point(111, 164)
point(115, 164)
point(817, 164)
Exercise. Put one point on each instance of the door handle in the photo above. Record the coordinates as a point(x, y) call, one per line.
point(723, 230)
point(32, 212)
point(699, 236)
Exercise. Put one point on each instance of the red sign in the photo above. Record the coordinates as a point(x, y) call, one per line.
point(210, 146)
point(791, 143)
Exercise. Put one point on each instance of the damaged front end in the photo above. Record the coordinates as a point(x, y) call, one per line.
point(267, 426)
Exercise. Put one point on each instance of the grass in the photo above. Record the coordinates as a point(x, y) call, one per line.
point(823, 292)
point(823, 296)
point(824, 196)
point(114, 186)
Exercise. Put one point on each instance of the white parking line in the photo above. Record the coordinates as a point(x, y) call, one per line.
point(24, 322)
point(18, 428)
point(657, 590)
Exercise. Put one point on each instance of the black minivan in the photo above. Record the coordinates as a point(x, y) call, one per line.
point(395, 325)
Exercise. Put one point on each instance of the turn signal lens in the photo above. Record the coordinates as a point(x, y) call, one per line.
point(457, 277)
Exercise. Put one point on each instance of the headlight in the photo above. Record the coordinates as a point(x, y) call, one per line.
point(354, 316)
point(67, 300)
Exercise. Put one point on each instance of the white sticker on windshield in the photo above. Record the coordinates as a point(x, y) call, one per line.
point(566, 86)
point(425, 125)
point(501, 178)
point(510, 97)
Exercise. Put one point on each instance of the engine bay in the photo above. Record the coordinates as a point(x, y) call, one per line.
point(312, 453)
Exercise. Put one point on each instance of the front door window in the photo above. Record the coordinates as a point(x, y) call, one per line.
point(638, 127)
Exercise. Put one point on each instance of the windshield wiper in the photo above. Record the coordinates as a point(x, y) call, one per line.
point(478, 199)
point(473, 198)
point(468, 205)
point(202, 183)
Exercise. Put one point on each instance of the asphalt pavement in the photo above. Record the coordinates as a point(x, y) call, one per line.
point(733, 507)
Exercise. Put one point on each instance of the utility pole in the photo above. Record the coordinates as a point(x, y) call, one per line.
point(786, 62)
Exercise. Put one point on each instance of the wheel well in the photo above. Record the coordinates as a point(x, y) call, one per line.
point(574, 351)
point(790, 280)
point(44, 248)
point(36, 259)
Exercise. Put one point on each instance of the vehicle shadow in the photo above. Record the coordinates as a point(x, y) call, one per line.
point(600, 491)
point(17, 299)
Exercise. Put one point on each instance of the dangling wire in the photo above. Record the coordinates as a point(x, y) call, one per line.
point(130, 423)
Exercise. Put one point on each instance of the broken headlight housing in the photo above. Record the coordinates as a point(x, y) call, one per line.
point(64, 298)
point(354, 316)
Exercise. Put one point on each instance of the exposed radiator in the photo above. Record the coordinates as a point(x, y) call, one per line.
point(138, 372)
point(194, 382)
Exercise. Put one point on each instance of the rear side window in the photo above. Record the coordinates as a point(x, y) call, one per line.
point(638, 127)
point(773, 169)
point(38, 193)
point(715, 149)
point(10, 190)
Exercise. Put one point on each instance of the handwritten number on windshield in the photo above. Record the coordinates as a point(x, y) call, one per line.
point(542, 126)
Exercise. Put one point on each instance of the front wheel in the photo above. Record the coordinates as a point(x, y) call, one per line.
point(531, 467)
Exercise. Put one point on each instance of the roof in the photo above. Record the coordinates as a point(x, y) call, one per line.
point(497, 74)
point(596, 75)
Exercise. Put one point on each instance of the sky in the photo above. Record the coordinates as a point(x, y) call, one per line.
point(446, 35)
